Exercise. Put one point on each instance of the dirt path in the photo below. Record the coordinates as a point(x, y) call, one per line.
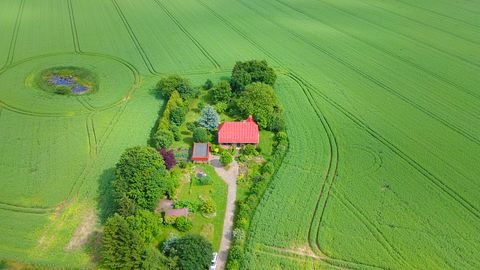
point(230, 177)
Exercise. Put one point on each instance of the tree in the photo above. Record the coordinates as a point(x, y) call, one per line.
point(122, 247)
point(146, 224)
point(209, 118)
point(168, 158)
point(171, 83)
point(162, 138)
point(226, 158)
point(244, 73)
point(155, 260)
point(259, 100)
point(177, 115)
point(222, 92)
point(193, 252)
point(140, 176)
point(208, 84)
point(200, 135)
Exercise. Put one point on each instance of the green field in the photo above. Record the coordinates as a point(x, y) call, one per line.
point(382, 103)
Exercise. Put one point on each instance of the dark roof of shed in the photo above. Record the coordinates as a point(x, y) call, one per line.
point(200, 150)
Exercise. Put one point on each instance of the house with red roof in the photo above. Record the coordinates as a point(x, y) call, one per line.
point(239, 133)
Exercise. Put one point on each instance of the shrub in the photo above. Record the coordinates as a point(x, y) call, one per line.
point(168, 158)
point(162, 139)
point(204, 180)
point(208, 206)
point(226, 158)
point(267, 168)
point(191, 126)
point(239, 235)
point(249, 149)
point(201, 105)
point(192, 206)
point(191, 252)
point(277, 123)
point(183, 224)
point(208, 84)
point(200, 135)
point(177, 115)
point(177, 135)
point(168, 85)
point(221, 107)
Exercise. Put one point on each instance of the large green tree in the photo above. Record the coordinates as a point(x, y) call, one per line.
point(222, 92)
point(122, 247)
point(146, 224)
point(247, 72)
point(193, 252)
point(259, 100)
point(140, 177)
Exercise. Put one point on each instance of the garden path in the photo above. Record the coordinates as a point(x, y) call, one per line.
point(230, 176)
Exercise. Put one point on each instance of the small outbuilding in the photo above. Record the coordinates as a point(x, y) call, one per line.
point(201, 152)
point(239, 133)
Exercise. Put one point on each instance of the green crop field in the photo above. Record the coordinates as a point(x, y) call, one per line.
point(382, 102)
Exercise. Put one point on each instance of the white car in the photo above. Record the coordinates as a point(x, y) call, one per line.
point(214, 261)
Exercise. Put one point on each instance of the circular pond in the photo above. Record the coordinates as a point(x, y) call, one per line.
point(67, 81)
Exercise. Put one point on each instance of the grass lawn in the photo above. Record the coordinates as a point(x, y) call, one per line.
point(210, 228)
point(266, 142)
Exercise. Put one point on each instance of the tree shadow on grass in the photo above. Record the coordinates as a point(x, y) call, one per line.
point(3, 265)
point(105, 200)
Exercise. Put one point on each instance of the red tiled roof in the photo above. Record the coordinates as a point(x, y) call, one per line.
point(239, 132)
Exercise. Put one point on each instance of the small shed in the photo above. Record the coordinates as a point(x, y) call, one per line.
point(201, 152)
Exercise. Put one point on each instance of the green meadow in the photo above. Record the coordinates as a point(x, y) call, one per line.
point(381, 98)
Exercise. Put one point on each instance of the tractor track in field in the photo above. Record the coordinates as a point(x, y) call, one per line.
point(461, 58)
point(374, 230)
point(377, 82)
point(204, 51)
point(296, 255)
point(25, 209)
point(439, 14)
point(299, 257)
point(402, 59)
point(330, 176)
point(136, 42)
point(314, 230)
point(424, 24)
point(13, 41)
point(73, 27)
point(437, 182)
